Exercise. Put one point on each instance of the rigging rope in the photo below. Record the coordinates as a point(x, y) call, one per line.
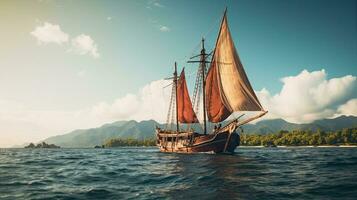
point(170, 112)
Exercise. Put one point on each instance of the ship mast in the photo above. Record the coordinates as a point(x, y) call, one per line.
point(175, 85)
point(203, 68)
point(203, 56)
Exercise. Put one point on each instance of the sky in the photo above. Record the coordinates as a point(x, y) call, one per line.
point(68, 64)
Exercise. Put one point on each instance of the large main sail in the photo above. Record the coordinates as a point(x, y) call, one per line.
point(184, 106)
point(227, 85)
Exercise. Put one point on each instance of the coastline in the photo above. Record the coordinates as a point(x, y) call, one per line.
point(305, 146)
point(241, 146)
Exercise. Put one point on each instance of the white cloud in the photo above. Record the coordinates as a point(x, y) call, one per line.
point(154, 3)
point(157, 4)
point(50, 33)
point(84, 44)
point(121, 108)
point(159, 26)
point(164, 28)
point(349, 108)
point(308, 96)
point(151, 102)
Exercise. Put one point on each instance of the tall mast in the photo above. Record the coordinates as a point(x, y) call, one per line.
point(175, 85)
point(203, 68)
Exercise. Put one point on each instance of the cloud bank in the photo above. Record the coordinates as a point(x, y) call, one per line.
point(20, 124)
point(310, 96)
point(303, 98)
point(349, 108)
point(151, 102)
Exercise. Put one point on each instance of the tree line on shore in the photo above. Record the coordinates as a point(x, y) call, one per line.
point(120, 142)
point(302, 138)
point(287, 138)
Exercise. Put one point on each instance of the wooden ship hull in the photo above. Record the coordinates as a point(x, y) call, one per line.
point(224, 140)
point(200, 143)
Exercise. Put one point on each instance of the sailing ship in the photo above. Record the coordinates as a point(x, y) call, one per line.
point(225, 89)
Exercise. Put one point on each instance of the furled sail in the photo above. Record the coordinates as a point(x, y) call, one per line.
point(184, 106)
point(227, 85)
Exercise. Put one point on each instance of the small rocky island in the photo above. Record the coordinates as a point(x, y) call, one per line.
point(43, 145)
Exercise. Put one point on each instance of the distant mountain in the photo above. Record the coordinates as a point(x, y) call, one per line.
point(275, 125)
point(97, 136)
point(146, 129)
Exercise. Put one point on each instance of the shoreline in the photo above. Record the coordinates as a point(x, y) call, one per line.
point(304, 146)
point(241, 146)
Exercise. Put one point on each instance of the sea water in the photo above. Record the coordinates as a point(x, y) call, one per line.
point(145, 173)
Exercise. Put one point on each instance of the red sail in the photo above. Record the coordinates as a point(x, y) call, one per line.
point(216, 110)
point(184, 105)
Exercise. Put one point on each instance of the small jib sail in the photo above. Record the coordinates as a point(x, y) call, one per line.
point(227, 86)
point(185, 111)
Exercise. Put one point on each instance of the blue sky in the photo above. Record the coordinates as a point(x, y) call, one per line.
point(137, 42)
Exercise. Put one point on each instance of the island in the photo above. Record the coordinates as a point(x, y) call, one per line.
point(42, 145)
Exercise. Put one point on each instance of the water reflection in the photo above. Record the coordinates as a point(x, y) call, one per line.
point(214, 176)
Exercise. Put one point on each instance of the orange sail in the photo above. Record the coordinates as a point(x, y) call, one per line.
point(227, 85)
point(216, 110)
point(184, 106)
